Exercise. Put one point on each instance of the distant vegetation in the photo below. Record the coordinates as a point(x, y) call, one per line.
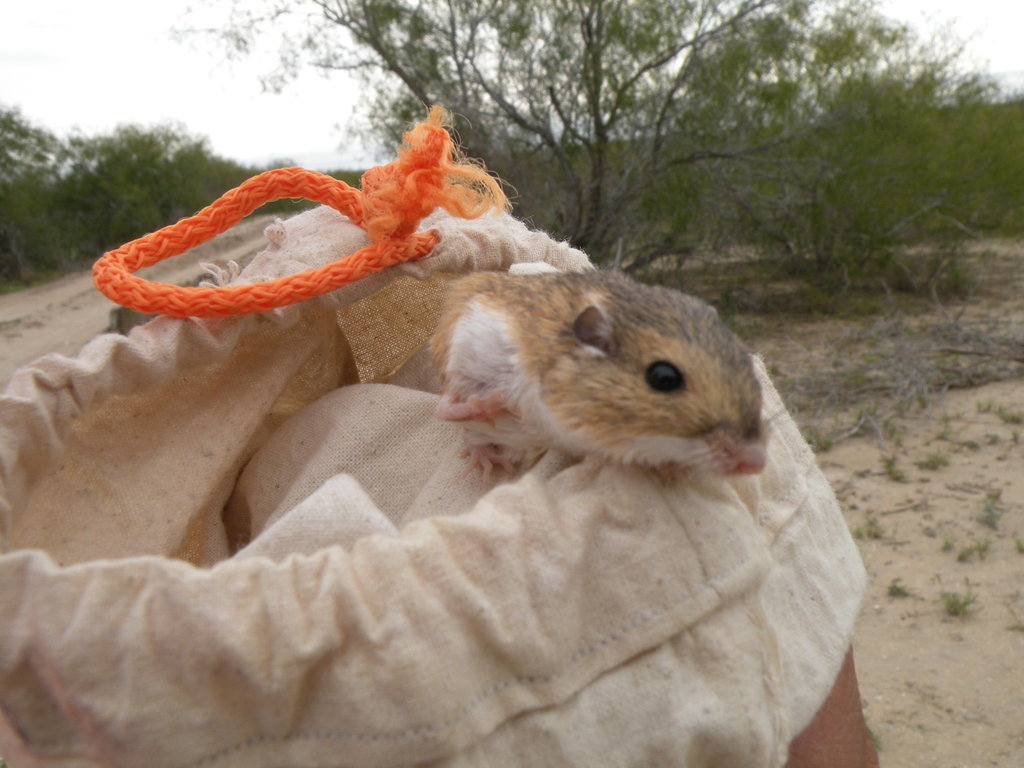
point(816, 134)
point(64, 202)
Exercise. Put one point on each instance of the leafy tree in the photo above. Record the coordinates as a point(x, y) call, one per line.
point(815, 129)
point(62, 203)
point(118, 186)
point(27, 174)
point(869, 142)
point(575, 102)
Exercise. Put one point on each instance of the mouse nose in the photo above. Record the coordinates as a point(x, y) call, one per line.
point(735, 455)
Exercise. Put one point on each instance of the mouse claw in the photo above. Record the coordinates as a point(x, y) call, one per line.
point(487, 456)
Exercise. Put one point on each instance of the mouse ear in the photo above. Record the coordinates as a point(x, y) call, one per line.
point(593, 328)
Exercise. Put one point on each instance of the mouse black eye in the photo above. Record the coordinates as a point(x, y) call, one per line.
point(664, 377)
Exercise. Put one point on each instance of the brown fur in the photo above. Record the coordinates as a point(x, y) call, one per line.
point(607, 398)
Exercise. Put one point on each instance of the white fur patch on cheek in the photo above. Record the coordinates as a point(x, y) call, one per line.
point(482, 353)
point(660, 449)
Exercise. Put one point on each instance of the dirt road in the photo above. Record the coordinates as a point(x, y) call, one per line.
point(62, 315)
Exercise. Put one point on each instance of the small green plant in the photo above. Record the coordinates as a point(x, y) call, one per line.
point(947, 544)
point(892, 471)
point(869, 530)
point(991, 511)
point(819, 441)
point(1019, 543)
point(956, 604)
point(934, 461)
point(895, 590)
point(875, 741)
point(892, 431)
point(946, 433)
point(979, 548)
point(1008, 416)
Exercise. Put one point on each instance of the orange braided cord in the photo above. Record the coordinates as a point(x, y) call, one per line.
point(394, 199)
point(178, 301)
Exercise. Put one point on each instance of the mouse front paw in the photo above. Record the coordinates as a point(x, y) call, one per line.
point(475, 408)
point(489, 455)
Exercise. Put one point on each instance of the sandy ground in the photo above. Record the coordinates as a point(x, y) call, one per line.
point(933, 492)
point(62, 315)
point(935, 500)
point(940, 513)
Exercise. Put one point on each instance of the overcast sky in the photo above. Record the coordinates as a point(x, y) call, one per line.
point(75, 65)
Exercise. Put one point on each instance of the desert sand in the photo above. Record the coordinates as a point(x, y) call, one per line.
point(929, 471)
point(939, 529)
point(933, 493)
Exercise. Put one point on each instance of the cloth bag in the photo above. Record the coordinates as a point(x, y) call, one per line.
point(250, 542)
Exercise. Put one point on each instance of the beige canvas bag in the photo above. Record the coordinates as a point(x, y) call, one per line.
point(250, 542)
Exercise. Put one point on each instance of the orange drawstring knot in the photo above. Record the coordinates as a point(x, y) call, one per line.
point(395, 198)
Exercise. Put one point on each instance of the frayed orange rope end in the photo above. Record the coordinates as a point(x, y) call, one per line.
point(394, 199)
point(426, 176)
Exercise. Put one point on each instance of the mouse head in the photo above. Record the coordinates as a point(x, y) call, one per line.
point(652, 376)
